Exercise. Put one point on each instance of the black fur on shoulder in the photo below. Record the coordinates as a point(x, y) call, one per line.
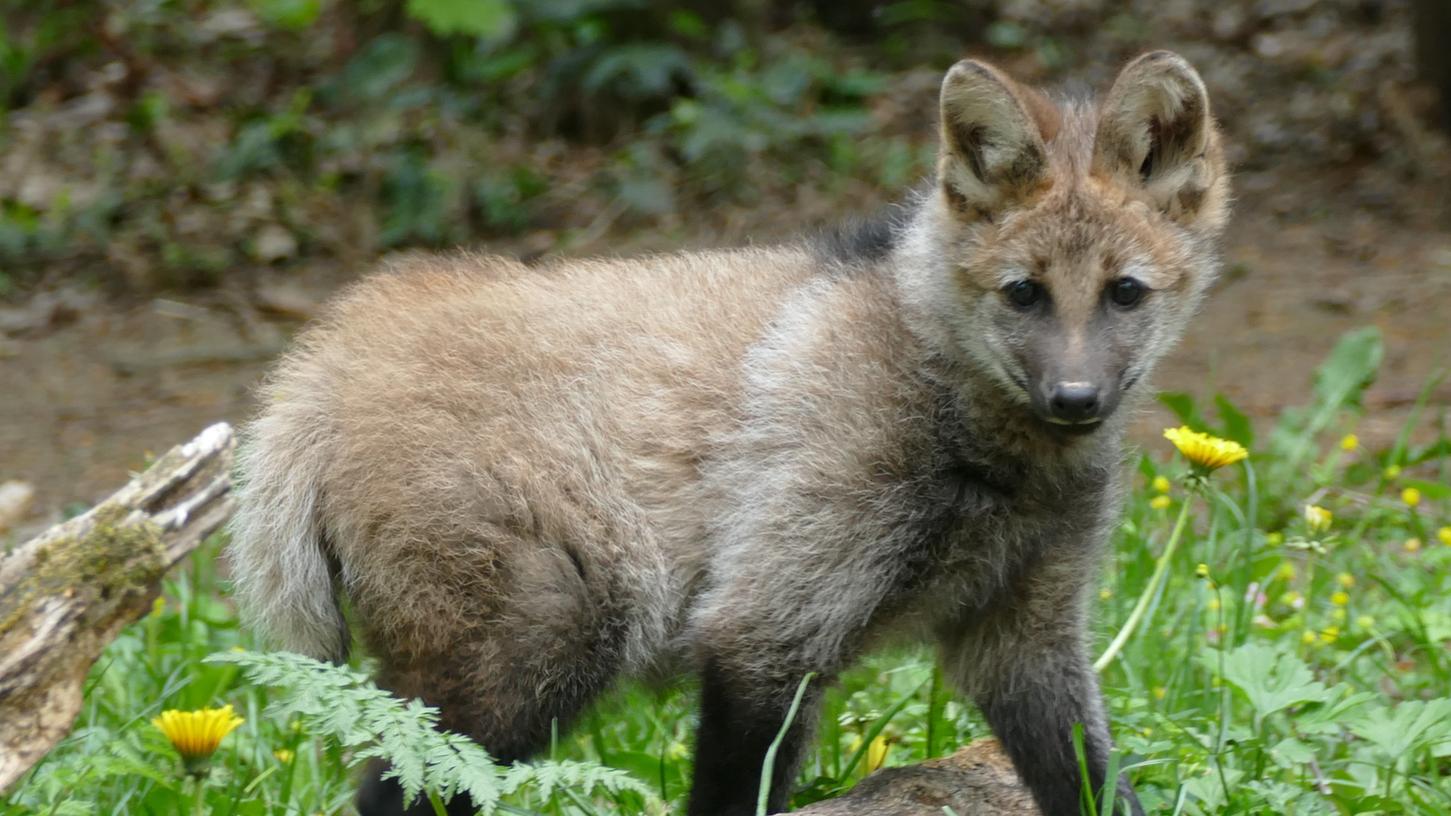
point(859, 240)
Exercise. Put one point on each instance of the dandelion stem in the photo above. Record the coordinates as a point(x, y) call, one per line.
point(768, 766)
point(1161, 569)
point(199, 795)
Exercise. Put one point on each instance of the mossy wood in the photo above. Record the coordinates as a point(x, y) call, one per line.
point(978, 780)
point(66, 593)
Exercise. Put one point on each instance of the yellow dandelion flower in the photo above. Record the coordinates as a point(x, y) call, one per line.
point(1411, 496)
point(1330, 634)
point(1201, 571)
point(1345, 579)
point(877, 753)
point(1161, 484)
point(1444, 535)
point(283, 755)
point(196, 734)
point(158, 606)
point(1205, 451)
point(1318, 519)
point(1412, 545)
point(1105, 593)
point(1349, 442)
point(1308, 636)
point(1160, 692)
point(1214, 604)
point(1391, 472)
point(1365, 622)
point(1274, 539)
point(1160, 502)
point(1286, 571)
point(1340, 598)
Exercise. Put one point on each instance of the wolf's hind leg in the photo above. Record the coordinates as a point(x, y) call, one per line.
point(523, 662)
point(738, 723)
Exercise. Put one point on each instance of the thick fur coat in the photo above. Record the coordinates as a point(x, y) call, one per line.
point(753, 464)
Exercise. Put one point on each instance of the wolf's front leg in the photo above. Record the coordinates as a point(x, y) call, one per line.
point(1026, 665)
point(1033, 711)
point(739, 719)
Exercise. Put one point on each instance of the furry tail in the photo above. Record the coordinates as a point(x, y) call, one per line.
point(284, 581)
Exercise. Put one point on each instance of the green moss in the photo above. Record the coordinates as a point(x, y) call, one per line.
point(112, 561)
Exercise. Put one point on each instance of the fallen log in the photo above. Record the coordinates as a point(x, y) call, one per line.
point(69, 591)
point(978, 780)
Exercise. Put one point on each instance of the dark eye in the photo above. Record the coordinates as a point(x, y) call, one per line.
point(1023, 293)
point(1126, 292)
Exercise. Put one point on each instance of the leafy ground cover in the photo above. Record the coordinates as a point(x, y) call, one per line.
point(1293, 660)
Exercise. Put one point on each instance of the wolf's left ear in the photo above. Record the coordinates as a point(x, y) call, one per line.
point(992, 152)
point(1157, 138)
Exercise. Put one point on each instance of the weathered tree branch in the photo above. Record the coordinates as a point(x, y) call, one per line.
point(978, 780)
point(66, 593)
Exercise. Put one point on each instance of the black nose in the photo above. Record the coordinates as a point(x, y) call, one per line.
point(1074, 401)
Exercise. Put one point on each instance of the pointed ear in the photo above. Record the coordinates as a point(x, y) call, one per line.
point(1156, 137)
point(992, 151)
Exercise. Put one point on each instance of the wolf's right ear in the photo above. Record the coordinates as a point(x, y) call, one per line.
point(992, 151)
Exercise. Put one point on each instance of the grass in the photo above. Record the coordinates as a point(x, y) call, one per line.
point(1281, 667)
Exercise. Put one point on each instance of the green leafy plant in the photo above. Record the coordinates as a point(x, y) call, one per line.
point(474, 18)
point(1270, 679)
point(343, 704)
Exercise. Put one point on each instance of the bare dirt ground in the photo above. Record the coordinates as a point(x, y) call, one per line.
point(98, 385)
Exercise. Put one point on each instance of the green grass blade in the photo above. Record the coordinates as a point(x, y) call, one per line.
point(769, 765)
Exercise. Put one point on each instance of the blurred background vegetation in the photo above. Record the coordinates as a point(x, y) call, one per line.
point(174, 143)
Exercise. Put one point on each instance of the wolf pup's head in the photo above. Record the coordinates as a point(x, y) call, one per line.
point(1066, 243)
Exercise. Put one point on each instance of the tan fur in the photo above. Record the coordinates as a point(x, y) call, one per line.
point(529, 482)
point(475, 426)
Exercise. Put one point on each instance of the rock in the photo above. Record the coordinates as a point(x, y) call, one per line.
point(273, 243)
point(286, 298)
point(45, 310)
point(15, 500)
point(978, 780)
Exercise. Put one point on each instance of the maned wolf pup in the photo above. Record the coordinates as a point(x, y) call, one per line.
point(759, 463)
